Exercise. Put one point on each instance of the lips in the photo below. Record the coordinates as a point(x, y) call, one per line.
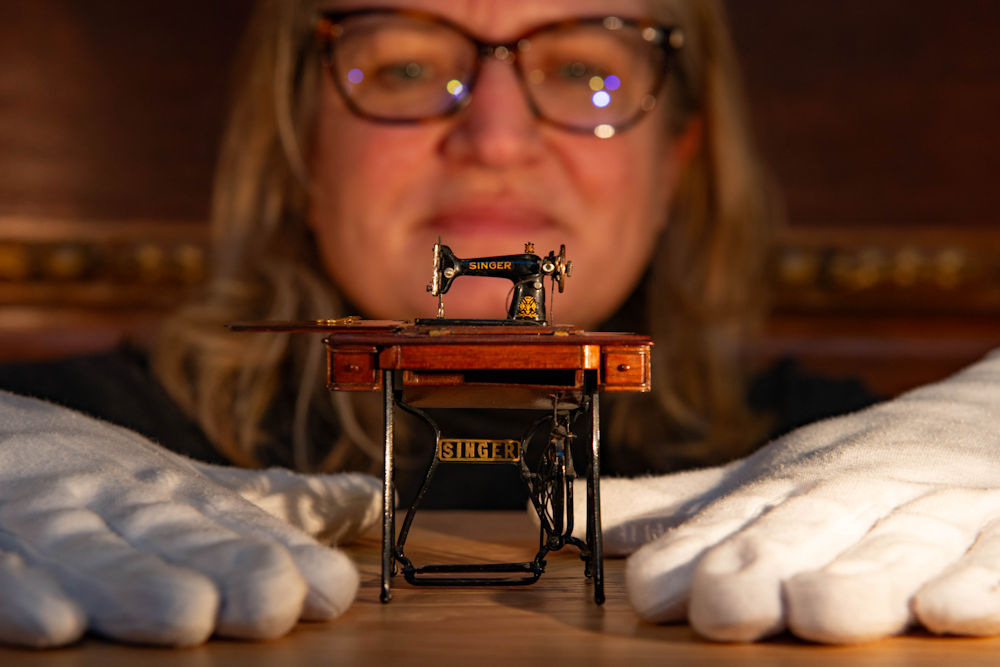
point(492, 219)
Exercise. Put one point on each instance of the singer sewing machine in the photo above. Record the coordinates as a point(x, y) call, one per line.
point(521, 361)
point(527, 271)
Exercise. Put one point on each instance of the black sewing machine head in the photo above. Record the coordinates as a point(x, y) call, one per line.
point(527, 271)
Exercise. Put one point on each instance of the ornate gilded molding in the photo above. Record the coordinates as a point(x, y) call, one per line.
point(152, 264)
point(894, 269)
point(99, 263)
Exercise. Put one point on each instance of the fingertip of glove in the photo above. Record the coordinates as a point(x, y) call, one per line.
point(336, 509)
point(264, 597)
point(962, 602)
point(45, 620)
point(657, 592)
point(736, 594)
point(333, 581)
point(172, 608)
point(832, 609)
point(34, 611)
point(362, 506)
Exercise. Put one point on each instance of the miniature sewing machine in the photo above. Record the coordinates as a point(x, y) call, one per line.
point(521, 361)
point(526, 272)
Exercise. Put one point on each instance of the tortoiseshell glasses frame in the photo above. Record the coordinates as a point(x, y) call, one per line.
point(595, 74)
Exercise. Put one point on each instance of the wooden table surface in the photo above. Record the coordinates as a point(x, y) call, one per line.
point(553, 621)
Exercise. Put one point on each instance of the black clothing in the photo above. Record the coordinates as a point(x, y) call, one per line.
point(118, 387)
point(115, 386)
point(796, 398)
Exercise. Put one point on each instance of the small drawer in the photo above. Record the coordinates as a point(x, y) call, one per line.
point(353, 369)
point(625, 368)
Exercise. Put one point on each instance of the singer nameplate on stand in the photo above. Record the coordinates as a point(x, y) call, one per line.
point(520, 361)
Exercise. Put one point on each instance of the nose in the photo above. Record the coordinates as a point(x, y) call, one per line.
point(498, 128)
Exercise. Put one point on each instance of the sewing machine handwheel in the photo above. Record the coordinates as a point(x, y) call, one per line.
point(563, 268)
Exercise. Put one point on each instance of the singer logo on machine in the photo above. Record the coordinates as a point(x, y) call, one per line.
point(479, 451)
point(488, 265)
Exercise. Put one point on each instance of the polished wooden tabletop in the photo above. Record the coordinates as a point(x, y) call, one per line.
point(553, 621)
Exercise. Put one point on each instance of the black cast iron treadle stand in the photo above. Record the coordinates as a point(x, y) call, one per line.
point(551, 490)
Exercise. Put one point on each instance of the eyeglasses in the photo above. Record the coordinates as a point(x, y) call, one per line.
point(597, 74)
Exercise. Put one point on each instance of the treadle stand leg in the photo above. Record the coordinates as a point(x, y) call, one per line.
point(388, 488)
point(594, 500)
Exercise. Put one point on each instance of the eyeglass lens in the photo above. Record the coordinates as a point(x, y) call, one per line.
point(585, 75)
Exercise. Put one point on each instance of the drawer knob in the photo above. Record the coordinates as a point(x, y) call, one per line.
point(352, 368)
point(623, 367)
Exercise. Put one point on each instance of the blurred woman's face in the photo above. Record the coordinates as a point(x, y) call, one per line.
point(487, 180)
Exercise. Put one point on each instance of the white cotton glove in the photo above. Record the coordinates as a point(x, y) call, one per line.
point(844, 531)
point(101, 529)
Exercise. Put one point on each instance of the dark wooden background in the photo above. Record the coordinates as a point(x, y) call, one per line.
point(878, 118)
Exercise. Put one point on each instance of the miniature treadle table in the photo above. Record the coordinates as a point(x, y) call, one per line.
point(521, 361)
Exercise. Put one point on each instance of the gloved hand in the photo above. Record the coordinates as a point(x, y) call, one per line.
point(101, 529)
point(844, 531)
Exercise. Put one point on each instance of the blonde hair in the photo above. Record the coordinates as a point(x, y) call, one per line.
point(700, 300)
